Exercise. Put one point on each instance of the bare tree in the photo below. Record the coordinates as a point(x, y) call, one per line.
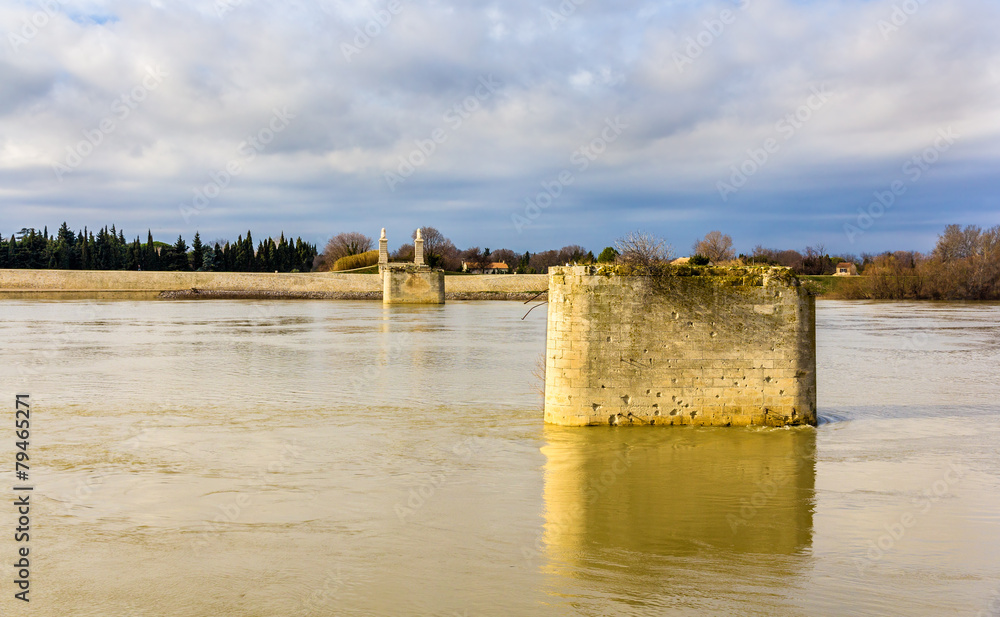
point(639, 248)
point(541, 262)
point(433, 239)
point(476, 259)
point(790, 259)
point(403, 253)
point(985, 264)
point(439, 251)
point(850, 258)
point(506, 256)
point(718, 247)
point(450, 258)
point(342, 245)
point(763, 255)
point(572, 254)
point(957, 243)
point(816, 262)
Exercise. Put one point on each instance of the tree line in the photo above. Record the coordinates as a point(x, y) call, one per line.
point(109, 250)
point(441, 252)
point(964, 265)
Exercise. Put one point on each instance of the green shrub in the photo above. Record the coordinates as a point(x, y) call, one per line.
point(607, 256)
point(698, 260)
point(361, 260)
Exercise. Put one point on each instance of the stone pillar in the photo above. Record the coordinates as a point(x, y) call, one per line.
point(418, 250)
point(705, 346)
point(383, 251)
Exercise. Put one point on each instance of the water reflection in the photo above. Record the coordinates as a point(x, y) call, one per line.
point(654, 502)
point(156, 418)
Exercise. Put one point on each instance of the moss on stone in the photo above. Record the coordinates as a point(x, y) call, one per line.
point(727, 275)
point(660, 275)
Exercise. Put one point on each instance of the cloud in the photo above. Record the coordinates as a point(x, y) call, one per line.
point(699, 84)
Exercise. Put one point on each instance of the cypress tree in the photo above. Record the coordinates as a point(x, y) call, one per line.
point(248, 254)
point(152, 259)
point(84, 251)
point(180, 257)
point(12, 252)
point(197, 252)
point(217, 256)
point(236, 264)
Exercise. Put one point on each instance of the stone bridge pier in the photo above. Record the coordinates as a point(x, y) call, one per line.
point(679, 345)
point(409, 283)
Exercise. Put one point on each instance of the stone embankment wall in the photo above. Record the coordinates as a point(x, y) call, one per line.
point(497, 283)
point(685, 345)
point(100, 283)
point(121, 280)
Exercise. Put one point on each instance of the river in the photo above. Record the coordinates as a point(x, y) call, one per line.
point(344, 458)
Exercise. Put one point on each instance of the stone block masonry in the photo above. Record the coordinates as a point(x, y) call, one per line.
point(412, 285)
point(679, 345)
point(115, 284)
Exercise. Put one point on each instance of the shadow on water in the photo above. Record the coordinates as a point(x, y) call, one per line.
point(882, 411)
point(831, 417)
point(647, 514)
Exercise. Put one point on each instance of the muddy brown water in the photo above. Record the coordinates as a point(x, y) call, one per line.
point(343, 458)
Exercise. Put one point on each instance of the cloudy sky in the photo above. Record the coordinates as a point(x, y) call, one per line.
point(859, 125)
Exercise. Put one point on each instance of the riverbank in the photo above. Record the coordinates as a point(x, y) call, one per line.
point(830, 287)
point(118, 284)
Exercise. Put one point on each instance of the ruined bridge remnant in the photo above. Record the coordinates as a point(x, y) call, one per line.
point(712, 346)
point(409, 283)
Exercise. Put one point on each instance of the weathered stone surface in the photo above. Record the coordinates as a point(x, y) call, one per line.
point(108, 283)
point(127, 280)
point(500, 283)
point(412, 285)
point(701, 346)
